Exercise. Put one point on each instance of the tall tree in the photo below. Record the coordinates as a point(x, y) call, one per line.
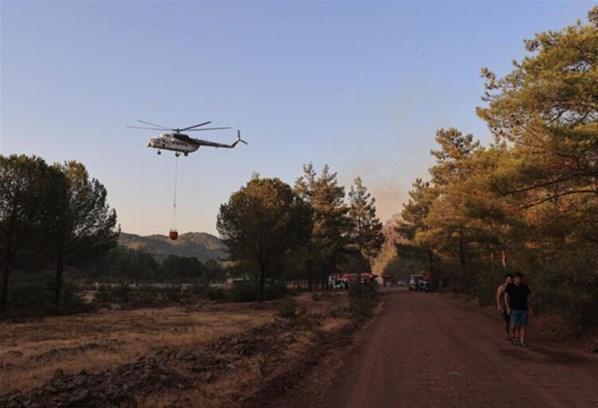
point(80, 225)
point(261, 222)
point(23, 180)
point(329, 237)
point(547, 106)
point(366, 228)
point(415, 210)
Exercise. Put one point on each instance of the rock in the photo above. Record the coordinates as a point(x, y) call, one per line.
point(79, 397)
point(115, 306)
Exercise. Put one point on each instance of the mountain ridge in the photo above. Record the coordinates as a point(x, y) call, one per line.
point(201, 245)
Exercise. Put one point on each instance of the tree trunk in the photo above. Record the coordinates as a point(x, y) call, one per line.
point(309, 275)
point(262, 281)
point(4, 297)
point(58, 283)
point(462, 255)
point(324, 279)
point(431, 262)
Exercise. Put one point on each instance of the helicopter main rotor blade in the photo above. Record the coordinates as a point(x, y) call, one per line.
point(142, 127)
point(194, 126)
point(214, 128)
point(153, 124)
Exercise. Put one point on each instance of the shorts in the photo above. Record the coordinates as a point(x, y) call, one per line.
point(506, 316)
point(519, 317)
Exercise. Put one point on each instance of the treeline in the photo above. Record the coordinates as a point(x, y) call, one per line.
point(528, 202)
point(122, 264)
point(52, 217)
point(55, 218)
point(277, 232)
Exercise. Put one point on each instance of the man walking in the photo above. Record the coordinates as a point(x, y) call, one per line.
point(517, 303)
point(501, 306)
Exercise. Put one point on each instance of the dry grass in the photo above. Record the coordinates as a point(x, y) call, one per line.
point(30, 352)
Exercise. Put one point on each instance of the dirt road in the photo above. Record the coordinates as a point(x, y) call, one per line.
point(428, 350)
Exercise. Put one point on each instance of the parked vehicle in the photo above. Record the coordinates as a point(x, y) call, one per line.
point(420, 282)
point(414, 281)
point(423, 285)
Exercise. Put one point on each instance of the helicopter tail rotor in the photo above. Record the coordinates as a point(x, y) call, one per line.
point(239, 138)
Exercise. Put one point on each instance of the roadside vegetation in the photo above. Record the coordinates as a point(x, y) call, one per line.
point(527, 202)
point(59, 249)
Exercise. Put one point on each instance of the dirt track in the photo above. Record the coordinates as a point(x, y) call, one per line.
point(428, 350)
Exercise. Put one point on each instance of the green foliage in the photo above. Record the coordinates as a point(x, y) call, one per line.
point(365, 233)
point(287, 308)
point(529, 201)
point(328, 245)
point(51, 217)
point(261, 222)
point(249, 291)
point(184, 269)
point(35, 296)
point(362, 299)
point(215, 294)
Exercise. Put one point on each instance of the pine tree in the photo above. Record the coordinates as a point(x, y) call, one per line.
point(328, 246)
point(366, 228)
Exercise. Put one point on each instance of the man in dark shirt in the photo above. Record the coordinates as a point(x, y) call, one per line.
point(517, 303)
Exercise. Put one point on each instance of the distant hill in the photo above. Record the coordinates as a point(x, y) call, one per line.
point(200, 245)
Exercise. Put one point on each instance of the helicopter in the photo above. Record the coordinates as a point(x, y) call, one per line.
point(175, 140)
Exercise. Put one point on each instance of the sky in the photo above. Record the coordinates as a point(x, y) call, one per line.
point(361, 86)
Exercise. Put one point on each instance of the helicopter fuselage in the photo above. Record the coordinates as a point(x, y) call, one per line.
point(167, 141)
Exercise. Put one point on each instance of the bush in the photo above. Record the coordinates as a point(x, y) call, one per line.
point(104, 294)
point(147, 295)
point(174, 293)
point(287, 308)
point(362, 299)
point(35, 295)
point(120, 293)
point(248, 291)
point(107, 293)
point(200, 289)
point(215, 294)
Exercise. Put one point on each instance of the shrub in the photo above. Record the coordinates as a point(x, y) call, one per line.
point(104, 294)
point(200, 289)
point(215, 294)
point(147, 294)
point(35, 295)
point(120, 293)
point(287, 308)
point(174, 293)
point(362, 299)
point(248, 291)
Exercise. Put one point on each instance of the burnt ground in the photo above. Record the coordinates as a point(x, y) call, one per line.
point(247, 365)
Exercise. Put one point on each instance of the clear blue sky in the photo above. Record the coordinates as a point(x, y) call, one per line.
point(361, 86)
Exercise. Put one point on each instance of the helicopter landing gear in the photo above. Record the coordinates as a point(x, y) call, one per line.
point(159, 152)
point(177, 154)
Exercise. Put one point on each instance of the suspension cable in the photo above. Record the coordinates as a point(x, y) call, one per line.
point(176, 161)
